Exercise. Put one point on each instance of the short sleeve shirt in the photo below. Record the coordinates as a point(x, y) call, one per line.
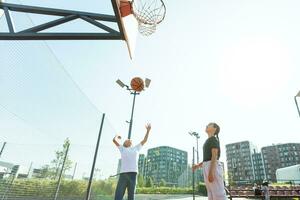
point(129, 158)
point(210, 144)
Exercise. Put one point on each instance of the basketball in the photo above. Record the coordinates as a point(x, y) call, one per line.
point(137, 84)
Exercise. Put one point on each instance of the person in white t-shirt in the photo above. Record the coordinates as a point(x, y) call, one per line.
point(129, 166)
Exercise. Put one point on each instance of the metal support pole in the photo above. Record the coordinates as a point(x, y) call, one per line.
point(65, 16)
point(29, 170)
point(61, 172)
point(74, 171)
point(193, 173)
point(197, 173)
point(297, 105)
point(9, 20)
point(3, 146)
point(88, 192)
point(197, 149)
point(131, 119)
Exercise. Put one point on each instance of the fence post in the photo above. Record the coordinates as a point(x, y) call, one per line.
point(3, 146)
point(74, 171)
point(88, 192)
point(12, 175)
point(61, 172)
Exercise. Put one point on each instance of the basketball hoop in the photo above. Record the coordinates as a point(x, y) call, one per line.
point(148, 13)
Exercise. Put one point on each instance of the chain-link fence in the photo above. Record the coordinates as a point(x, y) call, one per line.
point(58, 171)
point(50, 127)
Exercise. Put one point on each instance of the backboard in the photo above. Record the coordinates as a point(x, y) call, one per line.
point(128, 26)
point(1, 11)
point(125, 20)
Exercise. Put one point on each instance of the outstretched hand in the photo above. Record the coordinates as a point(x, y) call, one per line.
point(118, 137)
point(148, 127)
point(196, 166)
point(115, 140)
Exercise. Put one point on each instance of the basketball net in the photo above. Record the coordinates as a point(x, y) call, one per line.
point(148, 13)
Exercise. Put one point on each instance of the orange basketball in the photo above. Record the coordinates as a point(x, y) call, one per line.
point(137, 84)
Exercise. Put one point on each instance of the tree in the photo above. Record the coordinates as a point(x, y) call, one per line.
point(230, 179)
point(97, 174)
point(162, 183)
point(52, 171)
point(59, 159)
point(45, 172)
point(149, 182)
point(140, 181)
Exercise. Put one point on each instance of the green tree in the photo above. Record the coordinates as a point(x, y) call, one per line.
point(140, 181)
point(45, 172)
point(162, 183)
point(149, 182)
point(230, 179)
point(59, 159)
point(52, 171)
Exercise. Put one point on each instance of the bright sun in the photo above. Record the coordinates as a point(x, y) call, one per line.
point(254, 70)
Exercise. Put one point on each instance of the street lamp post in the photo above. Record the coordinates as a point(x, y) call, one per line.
point(134, 93)
point(197, 136)
point(193, 175)
point(298, 95)
point(132, 110)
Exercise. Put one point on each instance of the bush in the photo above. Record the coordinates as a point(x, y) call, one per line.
point(149, 182)
point(140, 181)
point(202, 189)
point(68, 188)
point(72, 188)
point(164, 190)
point(76, 189)
point(162, 183)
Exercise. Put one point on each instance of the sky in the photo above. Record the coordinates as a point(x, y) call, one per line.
point(232, 62)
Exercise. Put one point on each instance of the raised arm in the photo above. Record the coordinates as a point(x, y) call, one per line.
point(115, 141)
point(196, 166)
point(148, 128)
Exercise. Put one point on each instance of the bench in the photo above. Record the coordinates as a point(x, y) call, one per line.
point(275, 192)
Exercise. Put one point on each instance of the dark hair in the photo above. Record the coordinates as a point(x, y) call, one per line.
point(217, 127)
point(265, 183)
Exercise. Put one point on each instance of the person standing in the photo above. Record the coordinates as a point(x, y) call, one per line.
point(257, 190)
point(265, 189)
point(212, 168)
point(129, 165)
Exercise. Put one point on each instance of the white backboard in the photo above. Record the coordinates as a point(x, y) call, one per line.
point(130, 28)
